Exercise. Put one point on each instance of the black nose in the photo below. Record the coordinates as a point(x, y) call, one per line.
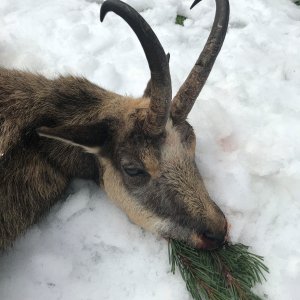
point(217, 237)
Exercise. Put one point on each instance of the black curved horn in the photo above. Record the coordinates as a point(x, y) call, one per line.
point(161, 90)
point(191, 88)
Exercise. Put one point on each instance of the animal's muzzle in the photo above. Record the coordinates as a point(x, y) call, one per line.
point(209, 239)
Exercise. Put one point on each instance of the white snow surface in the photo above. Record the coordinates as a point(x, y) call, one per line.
point(247, 122)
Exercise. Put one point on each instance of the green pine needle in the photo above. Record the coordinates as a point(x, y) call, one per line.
point(228, 273)
point(180, 20)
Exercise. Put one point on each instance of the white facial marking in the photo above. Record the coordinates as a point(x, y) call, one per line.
point(93, 150)
point(138, 214)
point(173, 149)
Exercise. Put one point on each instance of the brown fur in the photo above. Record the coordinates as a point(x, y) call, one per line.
point(52, 131)
point(35, 170)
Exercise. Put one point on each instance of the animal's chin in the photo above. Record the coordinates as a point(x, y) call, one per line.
point(201, 242)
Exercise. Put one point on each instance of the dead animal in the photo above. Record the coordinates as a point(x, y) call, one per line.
point(140, 151)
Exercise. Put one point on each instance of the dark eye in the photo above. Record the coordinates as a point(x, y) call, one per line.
point(131, 171)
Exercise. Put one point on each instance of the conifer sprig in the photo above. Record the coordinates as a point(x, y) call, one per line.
point(228, 273)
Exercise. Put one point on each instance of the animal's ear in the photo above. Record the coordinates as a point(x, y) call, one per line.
point(91, 137)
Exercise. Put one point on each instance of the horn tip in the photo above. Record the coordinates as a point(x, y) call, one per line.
point(102, 14)
point(105, 8)
point(195, 3)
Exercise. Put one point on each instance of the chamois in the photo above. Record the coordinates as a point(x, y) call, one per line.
point(140, 151)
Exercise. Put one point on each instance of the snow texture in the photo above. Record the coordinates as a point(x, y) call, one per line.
point(247, 122)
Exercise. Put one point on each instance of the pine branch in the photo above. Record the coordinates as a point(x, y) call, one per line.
point(228, 273)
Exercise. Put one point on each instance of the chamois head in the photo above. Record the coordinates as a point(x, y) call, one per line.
point(146, 148)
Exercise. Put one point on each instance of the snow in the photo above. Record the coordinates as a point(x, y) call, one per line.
point(246, 122)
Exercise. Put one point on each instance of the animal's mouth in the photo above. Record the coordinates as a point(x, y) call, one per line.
point(205, 240)
point(205, 243)
point(208, 241)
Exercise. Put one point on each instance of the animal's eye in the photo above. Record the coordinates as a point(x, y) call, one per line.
point(132, 171)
